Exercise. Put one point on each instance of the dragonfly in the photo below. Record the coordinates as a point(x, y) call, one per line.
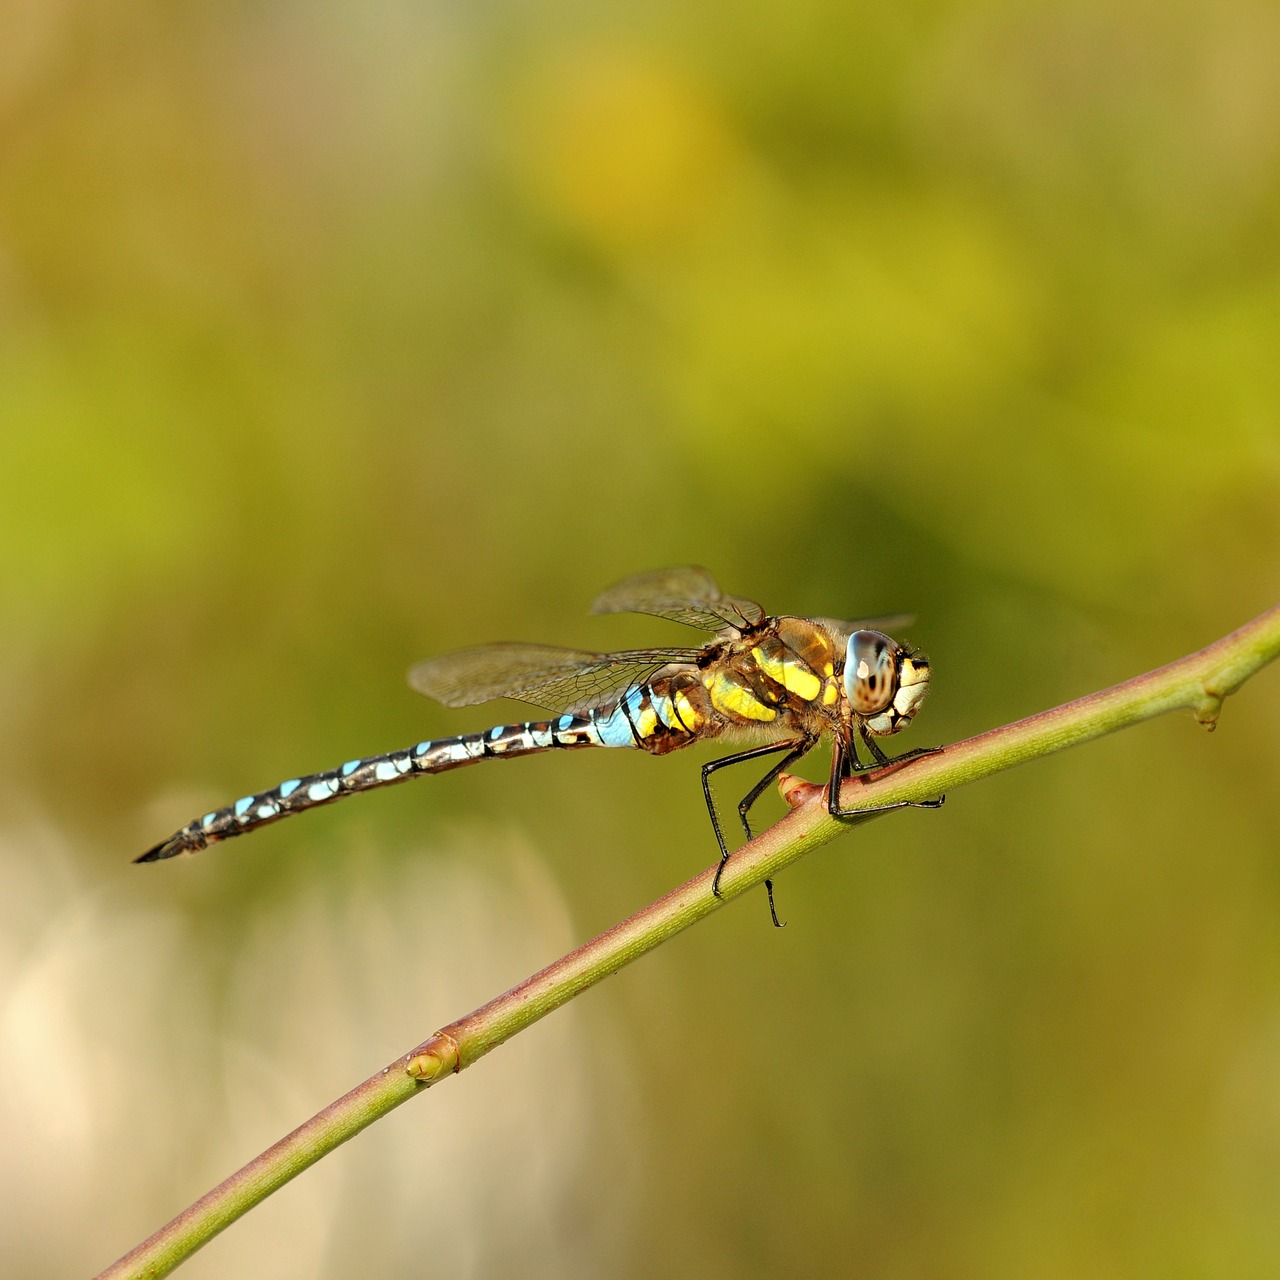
point(769, 685)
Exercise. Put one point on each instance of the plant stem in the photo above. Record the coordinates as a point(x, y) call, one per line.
point(1199, 683)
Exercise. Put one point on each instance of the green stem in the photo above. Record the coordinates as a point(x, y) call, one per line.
point(1197, 683)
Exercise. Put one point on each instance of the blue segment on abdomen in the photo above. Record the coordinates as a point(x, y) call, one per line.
point(615, 729)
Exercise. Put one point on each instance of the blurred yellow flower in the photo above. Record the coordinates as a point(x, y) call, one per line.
point(623, 147)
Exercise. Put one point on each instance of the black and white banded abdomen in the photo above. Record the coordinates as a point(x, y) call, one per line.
point(435, 756)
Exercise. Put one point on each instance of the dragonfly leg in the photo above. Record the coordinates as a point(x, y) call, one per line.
point(797, 750)
point(879, 758)
point(800, 749)
point(794, 749)
point(845, 763)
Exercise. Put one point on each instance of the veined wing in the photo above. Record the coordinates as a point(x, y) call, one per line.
point(542, 674)
point(686, 593)
point(886, 622)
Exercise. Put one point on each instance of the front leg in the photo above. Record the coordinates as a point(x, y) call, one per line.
point(879, 758)
point(844, 761)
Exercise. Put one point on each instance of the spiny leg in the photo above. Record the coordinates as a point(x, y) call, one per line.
point(842, 757)
point(879, 758)
point(800, 749)
point(794, 748)
point(740, 757)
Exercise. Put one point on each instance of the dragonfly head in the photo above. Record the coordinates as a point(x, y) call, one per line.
point(884, 682)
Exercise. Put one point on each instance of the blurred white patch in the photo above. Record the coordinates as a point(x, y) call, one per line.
point(485, 1173)
point(140, 1065)
point(91, 1039)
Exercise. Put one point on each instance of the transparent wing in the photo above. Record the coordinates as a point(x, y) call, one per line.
point(687, 594)
point(890, 623)
point(542, 674)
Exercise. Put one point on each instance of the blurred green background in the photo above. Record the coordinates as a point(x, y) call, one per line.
point(335, 335)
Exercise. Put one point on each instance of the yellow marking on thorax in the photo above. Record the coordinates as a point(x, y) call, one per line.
point(731, 698)
point(647, 722)
point(690, 716)
point(789, 674)
point(830, 693)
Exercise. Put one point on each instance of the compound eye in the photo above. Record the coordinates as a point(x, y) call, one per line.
point(870, 672)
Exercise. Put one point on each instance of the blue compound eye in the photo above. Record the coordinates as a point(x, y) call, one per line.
point(870, 672)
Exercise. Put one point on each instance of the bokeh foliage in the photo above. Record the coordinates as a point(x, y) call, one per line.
point(335, 335)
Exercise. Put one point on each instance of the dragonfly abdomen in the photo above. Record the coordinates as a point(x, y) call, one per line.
point(364, 774)
point(658, 717)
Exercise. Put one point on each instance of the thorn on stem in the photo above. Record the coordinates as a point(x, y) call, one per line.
point(797, 791)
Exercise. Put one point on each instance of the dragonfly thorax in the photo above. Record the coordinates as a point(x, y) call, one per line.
point(884, 683)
